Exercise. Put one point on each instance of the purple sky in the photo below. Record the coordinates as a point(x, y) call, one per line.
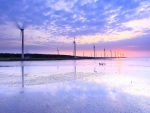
point(117, 25)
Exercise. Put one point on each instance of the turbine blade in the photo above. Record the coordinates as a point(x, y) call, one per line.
point(24, 25)
point(17, 25)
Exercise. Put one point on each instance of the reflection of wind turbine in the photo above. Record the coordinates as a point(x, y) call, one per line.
point(57, 65)
point(119, 65)
point(95, 70)
point(74, 69)
point(22, 70)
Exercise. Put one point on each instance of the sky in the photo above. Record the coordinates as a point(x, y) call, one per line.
point(116, 25)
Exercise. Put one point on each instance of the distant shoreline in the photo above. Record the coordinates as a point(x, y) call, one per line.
point(52, 59)
point(44, 57)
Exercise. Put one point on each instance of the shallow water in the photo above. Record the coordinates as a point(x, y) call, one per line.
point(122, 85)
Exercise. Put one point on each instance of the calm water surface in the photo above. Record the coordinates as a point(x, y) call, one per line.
point(82, 86)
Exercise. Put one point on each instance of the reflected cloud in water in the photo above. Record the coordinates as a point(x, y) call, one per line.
point(75, 96)
point(78, 86)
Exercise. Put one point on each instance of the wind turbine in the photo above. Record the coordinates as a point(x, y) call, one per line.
point(22, 32)
point(122, 55)
point(74, 48)
point(115, 54)
point(57, 50)
point(94, 50)
point(119, 55)
point(111, 53)
point(104, 52)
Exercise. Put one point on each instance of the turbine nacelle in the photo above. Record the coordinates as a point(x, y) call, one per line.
point(22, 29)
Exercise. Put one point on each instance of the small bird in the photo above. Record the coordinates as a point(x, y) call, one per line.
point(101, 63)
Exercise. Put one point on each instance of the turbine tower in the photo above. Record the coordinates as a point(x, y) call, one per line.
point(58, 51)
point(115, 54)
point(122, 55)
point(111, 53)
point(21, 28)
point(94, 50)
point(22, 32)
point(74, 48)
point(104, 53)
